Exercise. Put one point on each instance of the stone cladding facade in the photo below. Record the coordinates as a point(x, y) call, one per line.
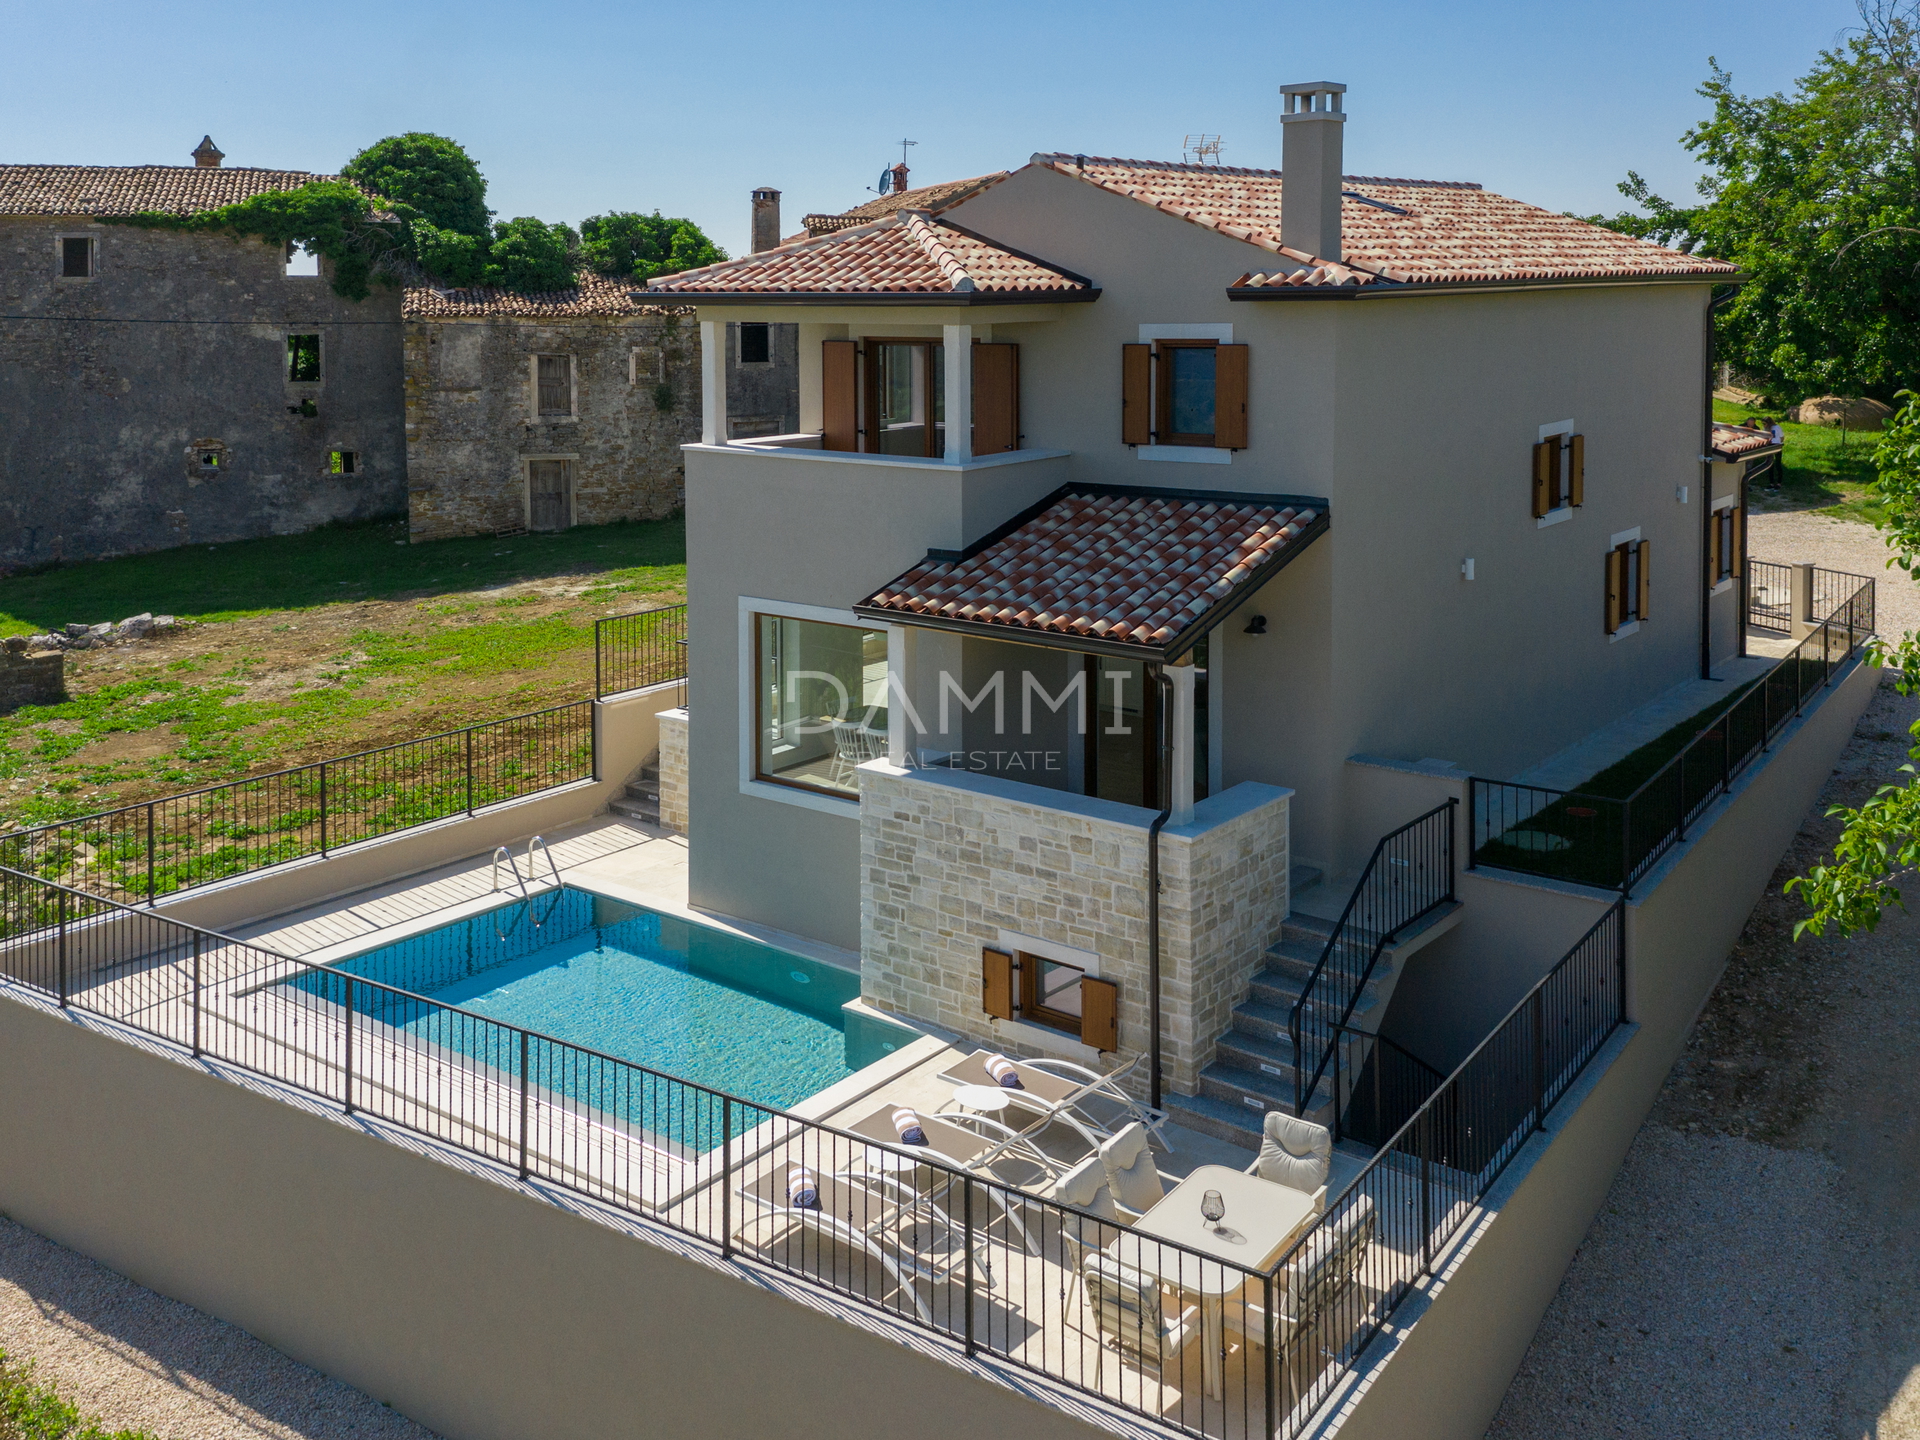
point(949, 859)
point(673, 770)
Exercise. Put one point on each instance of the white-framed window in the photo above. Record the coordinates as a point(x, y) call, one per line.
point(813, 702)
point(76, 257)
point(1629, 583)
point(1559, 473)
point(553, 387)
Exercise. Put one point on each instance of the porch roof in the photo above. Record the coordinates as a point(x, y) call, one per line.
point(908, 258)
point(1118, 570)
point(1742, 442)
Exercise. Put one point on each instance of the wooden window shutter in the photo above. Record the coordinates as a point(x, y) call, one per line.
point(1136, 394)
point(1646, 583)
point(1229, 397)
point(996, 398)
point(1576, 470)
point(1616, 584)
point(1713, 551)
point(1099, 1013)
point(996, 983)
point(1546, 461)
point(1739, 540)
point(839, 395)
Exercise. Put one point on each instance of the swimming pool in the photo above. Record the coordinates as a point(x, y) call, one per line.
point(689, 1000)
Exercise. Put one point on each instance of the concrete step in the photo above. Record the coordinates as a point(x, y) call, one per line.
point(1263, 1022)
point(646, 810)
point(1272, 987)
point(1236, 1121)
point(1260, 1055)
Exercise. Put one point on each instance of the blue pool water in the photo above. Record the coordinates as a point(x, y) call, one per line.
point(694, 1002)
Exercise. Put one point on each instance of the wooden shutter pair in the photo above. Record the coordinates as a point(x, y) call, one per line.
point(996, 397)
point(1553, 487)
point(1739, 533)
point(1099, 1000)
point(1139, 400)
point(1617, 584)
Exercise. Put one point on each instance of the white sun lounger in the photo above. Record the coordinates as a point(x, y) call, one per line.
point(1061, 1090)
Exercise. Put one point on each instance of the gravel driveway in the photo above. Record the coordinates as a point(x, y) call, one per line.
point(1753, 1270)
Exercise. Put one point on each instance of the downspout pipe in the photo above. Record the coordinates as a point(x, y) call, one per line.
point(1165, 689)
point(1706, 494)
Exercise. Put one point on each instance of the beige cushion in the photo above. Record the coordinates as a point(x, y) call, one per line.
point(1085, 1186)
point(1131, 1173)
point(1294, 1152)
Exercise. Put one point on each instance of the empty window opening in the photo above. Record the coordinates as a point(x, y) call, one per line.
point(76, 257)
point(207, 459)
point(343, 462)
point(756, 344)
point(554, 382)
point(303, 359)
point(301, 261)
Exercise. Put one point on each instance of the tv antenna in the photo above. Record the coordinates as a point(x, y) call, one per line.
point(1200, 149)
point(886, 175)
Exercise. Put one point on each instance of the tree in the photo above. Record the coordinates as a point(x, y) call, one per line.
point(529, 254)
point(1817, 197)
point(627, 244)
point(430, 175)
point(1880, 843)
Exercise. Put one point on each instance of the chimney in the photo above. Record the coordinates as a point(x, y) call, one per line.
point(206, 155)
point(899, 173)
point(766, 218)
point(1310, 165)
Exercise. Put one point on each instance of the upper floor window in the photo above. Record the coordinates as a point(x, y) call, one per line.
point(553, 385)
point(820, 708)
point(301, 262)
point(303, 359)
point(1726, 540)
point(1184, 392)
point(1559, 473)
point(755, 343)
point(76, 257)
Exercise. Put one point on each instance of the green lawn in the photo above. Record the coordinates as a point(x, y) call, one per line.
point(1824, 469)
point(342, 562)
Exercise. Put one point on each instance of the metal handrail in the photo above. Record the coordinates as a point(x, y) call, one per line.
point(541, 841)
point(1303, 1083)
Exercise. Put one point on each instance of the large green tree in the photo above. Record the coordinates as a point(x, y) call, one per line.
point(429, 174)
point(1814, 195)
point(627, 244)
point(1879, 846)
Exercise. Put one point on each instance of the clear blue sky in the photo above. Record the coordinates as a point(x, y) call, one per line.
point(593, 106)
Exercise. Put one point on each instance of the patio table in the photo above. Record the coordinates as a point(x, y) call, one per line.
point(982, 1099)
point(1261, 1220)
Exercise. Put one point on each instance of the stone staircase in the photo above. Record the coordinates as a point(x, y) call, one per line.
point(641, 800)
point(1254, 1066)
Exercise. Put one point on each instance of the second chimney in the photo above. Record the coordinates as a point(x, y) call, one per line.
point(1311, 159)
point(766, 219)
point(207, 155)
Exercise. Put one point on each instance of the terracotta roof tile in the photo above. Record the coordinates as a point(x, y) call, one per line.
point(1407, 232)
point(1733, 441)
point(106, 190)
point(909, 253)
point(1125, 569)
point(925, 197)
point(592, 295)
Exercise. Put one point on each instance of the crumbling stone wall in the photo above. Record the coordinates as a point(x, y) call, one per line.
point(472, 426)
point(114, 388)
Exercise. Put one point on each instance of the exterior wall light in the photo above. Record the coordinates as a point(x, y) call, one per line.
point(1257, 625)
point(1466, 569)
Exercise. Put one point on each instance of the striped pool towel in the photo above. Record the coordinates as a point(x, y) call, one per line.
point(803, 1189)
point(906, 1124)
point(1004, 1072)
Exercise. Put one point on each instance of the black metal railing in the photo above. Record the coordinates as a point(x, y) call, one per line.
point(632, 652)
point(1377, 1085)
point(1611, 841)
point(1428, 1176)
point(1835, 588)
point(139, 853)
point(971, 1256)
point(1769, 595)
point(1408, 876)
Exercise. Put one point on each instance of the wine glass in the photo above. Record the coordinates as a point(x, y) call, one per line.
point(1214, 1207)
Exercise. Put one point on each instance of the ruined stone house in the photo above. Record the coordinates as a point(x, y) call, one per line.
point(160, 387)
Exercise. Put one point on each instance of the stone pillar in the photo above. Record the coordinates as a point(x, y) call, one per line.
point(766, 218)
point(1180, 674)
point(1803, 617)
point(673, 770)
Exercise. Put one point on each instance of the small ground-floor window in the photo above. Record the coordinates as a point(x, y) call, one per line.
point(821, 702)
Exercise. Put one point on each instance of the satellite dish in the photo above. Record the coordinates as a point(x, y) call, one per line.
point(886, 179)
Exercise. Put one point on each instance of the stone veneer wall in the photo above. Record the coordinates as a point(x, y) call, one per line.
point(673, 770)
point(948, 859)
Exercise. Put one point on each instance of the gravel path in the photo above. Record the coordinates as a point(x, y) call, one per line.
point(136, 1359)
point(1753, 1269)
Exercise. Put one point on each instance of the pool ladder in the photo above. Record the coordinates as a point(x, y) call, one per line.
point(501, 852)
